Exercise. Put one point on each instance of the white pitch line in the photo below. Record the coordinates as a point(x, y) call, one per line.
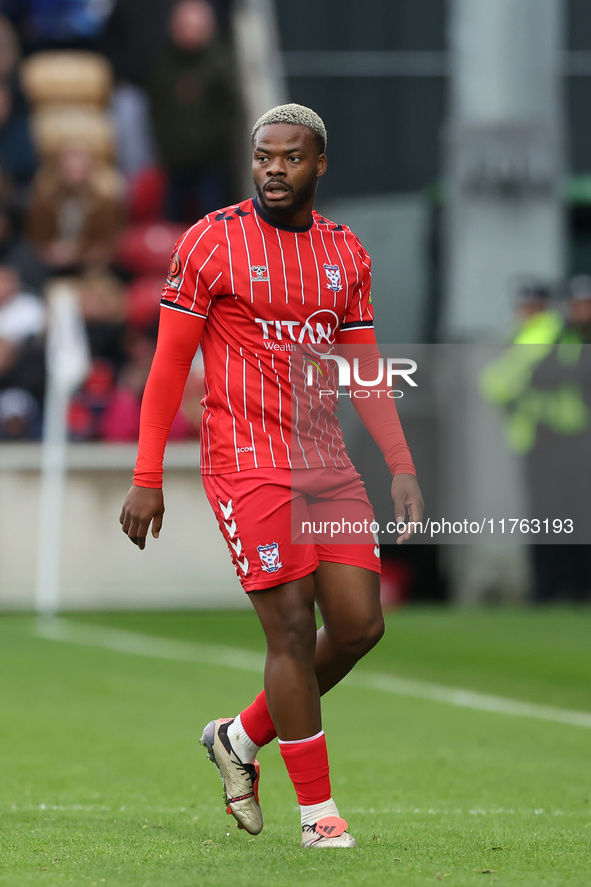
point(469, 698)
point(146, 645)
point(7, 808)
point(133, 643)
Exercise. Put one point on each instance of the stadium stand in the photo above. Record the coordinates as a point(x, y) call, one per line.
point(78, 210)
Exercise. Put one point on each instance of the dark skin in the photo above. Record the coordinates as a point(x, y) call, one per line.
point(286, 166)
point(302, 663)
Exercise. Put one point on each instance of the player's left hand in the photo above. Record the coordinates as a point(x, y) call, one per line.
point(408, 503)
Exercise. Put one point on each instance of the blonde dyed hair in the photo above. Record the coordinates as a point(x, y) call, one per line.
point(297, 115)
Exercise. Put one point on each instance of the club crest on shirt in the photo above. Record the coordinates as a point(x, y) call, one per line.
point(269, 555)
point(333, 274)
point(259, 272)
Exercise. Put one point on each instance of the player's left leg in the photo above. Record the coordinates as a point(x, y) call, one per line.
point(348, 598)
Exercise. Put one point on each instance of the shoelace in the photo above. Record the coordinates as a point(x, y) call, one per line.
point(248, 770)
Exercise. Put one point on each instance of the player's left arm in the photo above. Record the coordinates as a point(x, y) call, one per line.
point(379, 415)
point(408, 504)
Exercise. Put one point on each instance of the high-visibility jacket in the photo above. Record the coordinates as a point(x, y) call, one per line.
point(509, 382)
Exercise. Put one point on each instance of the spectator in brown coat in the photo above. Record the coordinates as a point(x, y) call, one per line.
point(76, 212)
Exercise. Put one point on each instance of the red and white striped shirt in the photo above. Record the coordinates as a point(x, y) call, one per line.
point(265, 290)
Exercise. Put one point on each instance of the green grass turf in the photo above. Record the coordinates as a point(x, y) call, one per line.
point(103, 781)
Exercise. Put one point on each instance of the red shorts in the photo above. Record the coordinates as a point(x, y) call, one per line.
point(279, 524)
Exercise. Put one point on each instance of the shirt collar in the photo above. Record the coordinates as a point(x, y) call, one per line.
point(266, 218)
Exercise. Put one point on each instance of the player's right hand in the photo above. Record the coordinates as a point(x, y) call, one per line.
point(143, 506)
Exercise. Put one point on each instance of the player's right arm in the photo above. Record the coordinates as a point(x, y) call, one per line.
point(179, 334)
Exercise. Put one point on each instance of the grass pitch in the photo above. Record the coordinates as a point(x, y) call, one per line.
point(103, 780)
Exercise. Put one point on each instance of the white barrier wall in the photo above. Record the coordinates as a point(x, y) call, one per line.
point(187, 567)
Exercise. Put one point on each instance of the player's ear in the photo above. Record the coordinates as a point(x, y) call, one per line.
point(322, 164)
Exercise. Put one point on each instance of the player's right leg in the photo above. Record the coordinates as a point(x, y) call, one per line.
point(349, 601)
point(253, 509)
point(239, 772)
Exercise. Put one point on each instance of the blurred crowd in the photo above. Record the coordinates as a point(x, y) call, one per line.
point(118, 130)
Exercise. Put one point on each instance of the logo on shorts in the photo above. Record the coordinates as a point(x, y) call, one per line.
point(269, 555)
point(259, 272)
point(376, 548)
point(333, 273)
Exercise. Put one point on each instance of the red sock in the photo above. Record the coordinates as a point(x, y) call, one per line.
point(307, 765)
point(257, 721)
